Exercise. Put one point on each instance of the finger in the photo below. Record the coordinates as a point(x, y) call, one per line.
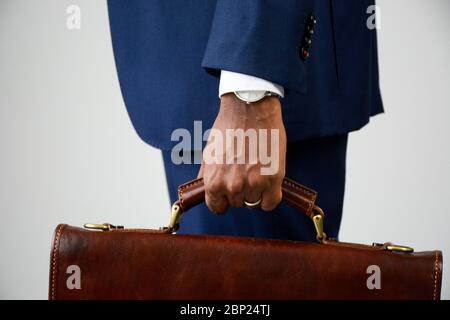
point(236, 201)
point(252, 194)
point(254, 188)
point(234, 186)
point(217, 204)
point(235, 192)
point(215, 198)
point(271, 197)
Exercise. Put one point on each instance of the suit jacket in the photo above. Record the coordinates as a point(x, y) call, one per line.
point(169, 54)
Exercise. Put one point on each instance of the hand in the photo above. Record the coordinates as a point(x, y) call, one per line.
point(254, 167)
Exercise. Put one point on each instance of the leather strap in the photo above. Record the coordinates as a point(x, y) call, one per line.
point(302, 198)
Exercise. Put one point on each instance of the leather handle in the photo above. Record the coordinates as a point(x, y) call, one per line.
point(192, 193)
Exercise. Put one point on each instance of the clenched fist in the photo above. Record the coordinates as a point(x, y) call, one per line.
point(244, 159)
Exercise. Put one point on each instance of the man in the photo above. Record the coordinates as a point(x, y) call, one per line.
point(305, 69)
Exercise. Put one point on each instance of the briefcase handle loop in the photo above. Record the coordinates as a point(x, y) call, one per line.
point(302, 198)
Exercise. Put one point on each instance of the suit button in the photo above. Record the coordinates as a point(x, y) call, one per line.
point(307, 37)
point(305, 53)
point(307, 42)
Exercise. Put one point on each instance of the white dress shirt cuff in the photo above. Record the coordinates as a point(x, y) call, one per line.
point(233, 81)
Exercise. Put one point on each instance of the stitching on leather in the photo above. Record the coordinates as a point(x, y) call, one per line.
point(180, 196)
point(301, 188)
point(293, 184)
point(435, 276)
point(55, 259)
point(298, 187)
point(183, 187)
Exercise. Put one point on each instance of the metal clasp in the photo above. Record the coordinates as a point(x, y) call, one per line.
point(397, 248)
point(174, 218)
point(394, 247)
point(101, 226)
point(318, 224)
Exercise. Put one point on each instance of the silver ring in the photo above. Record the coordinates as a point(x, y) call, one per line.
point(253, 204)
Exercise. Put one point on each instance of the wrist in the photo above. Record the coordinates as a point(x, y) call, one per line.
point(269, 106)
point(252, 96)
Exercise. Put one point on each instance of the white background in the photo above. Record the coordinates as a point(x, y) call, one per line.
point(69, 153)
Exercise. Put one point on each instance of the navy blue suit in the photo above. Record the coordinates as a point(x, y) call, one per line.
point(169, 54)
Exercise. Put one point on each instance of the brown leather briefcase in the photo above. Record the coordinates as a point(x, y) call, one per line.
point(113, 262)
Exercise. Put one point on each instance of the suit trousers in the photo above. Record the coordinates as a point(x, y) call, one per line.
point(316, 163)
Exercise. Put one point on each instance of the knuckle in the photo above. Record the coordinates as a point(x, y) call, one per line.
point(214, 187)
point(256, 181)
point(236, 187)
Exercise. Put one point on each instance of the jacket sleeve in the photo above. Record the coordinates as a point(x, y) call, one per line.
point(261, 38)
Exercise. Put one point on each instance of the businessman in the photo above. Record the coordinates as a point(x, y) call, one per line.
point(304, 70)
